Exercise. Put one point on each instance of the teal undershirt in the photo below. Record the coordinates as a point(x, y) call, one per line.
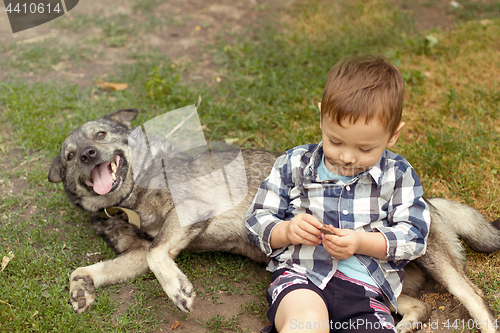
point(350, 267)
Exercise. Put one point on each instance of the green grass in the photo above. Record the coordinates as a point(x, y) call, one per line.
point(271, 81)
point(35, 58)
point(219, 324)
point(46, 247)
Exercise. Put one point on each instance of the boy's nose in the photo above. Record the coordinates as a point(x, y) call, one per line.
point(347, 157)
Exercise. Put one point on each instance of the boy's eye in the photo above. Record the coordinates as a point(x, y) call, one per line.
point(335, 143)
point(365, 150)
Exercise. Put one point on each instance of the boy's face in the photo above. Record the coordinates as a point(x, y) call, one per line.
point(351, 148)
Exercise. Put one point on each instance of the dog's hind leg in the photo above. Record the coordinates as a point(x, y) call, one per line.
point(166, 246)
point(471, 297)
point(123, 238)
point(457, 283)
point(444, 258)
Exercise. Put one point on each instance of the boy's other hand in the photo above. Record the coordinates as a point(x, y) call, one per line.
point(346, 242)
point(343, 244)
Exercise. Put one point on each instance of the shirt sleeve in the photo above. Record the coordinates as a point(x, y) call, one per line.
point(409, 219)
point(270, 205)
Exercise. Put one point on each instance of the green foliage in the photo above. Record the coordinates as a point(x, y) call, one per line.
point(413, 77)
point(160, 89)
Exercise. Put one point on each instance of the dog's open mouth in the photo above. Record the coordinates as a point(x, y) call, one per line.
point(105, 176)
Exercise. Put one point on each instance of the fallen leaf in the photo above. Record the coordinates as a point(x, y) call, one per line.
point(111, 85)
point(431, 41)
point(6, 259)
point(175, 324)
point(46, 294)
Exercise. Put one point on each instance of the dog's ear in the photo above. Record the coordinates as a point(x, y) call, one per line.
point(55, 171)
point(123, 116)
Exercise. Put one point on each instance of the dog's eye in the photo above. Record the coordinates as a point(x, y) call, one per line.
point(100, 135)
point(70, 156)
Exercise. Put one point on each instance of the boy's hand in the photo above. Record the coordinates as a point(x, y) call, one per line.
point(342, 244)
point(302, 229)
point(346, 242)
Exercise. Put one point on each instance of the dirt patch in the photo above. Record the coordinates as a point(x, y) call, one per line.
point(447, 311)
point(224, 311)
point(13, 186)
point(429, 14)
point(206, 311)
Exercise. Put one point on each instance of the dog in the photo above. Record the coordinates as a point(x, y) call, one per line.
point(95, 166)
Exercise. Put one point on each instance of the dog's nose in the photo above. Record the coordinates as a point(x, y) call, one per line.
point(88, 155)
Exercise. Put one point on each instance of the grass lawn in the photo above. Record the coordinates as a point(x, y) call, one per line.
point(265, 96)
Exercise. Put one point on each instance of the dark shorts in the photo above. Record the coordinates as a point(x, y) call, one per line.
point(353, 306)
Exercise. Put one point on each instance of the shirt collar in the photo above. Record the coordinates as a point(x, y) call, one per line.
point(312, 166)
point(376, 172)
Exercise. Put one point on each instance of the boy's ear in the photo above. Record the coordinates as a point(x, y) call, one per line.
point(396, 134)
point(319, 106)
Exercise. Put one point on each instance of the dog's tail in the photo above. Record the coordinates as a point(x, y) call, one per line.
point(481, 234)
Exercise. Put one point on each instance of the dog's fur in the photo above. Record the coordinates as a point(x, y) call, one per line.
point(161, 237)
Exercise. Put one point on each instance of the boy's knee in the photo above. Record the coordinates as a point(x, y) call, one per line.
point(302, 311)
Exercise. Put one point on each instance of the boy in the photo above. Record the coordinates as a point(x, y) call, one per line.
point(341, 218)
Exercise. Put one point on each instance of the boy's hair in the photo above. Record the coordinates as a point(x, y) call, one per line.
point(367, 87)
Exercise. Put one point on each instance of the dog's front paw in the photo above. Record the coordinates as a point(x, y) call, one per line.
point(81, 292)
point(182, 294)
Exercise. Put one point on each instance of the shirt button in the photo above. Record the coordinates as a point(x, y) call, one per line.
point(345, 212)
point(348, 188)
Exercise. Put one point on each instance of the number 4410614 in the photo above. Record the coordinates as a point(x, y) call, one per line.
point(33, 8)
point(470, 324)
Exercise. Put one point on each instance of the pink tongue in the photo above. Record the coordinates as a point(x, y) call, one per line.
point(101, 176)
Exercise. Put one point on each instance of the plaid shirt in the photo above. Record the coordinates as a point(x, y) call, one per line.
point(386, 198)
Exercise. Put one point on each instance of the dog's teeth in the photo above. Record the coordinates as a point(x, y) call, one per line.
point(113, 176)
point(113, 167)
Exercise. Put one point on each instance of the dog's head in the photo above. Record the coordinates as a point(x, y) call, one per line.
point(93, 163)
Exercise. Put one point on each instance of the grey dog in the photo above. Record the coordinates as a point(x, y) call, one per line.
point(95, 166)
